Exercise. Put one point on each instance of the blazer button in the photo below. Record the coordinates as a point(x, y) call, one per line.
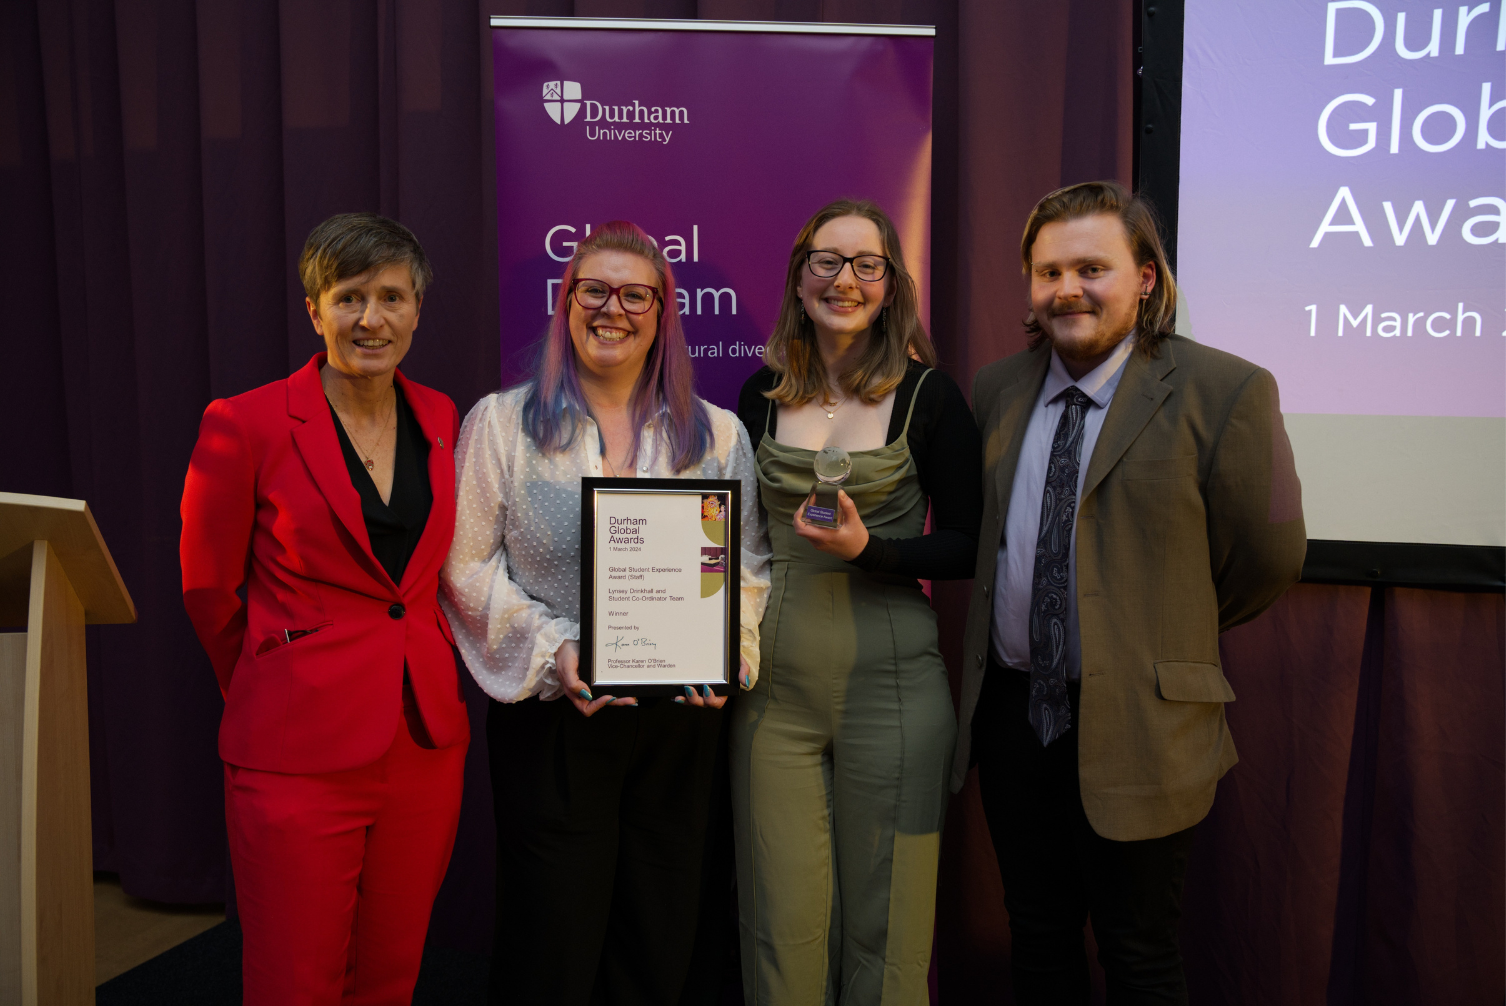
point(985, 590)
point(980, 660)
point(397, 611)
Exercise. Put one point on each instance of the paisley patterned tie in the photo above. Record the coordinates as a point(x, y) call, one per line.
point(1050, 711)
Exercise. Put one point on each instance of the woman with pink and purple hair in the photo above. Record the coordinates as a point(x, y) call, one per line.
point(602, 803)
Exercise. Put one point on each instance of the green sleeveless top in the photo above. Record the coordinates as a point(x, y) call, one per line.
point(884, 486)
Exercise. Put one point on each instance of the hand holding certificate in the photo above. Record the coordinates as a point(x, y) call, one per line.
point(659, 591)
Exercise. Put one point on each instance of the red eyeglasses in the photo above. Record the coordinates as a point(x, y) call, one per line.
point(593, 294)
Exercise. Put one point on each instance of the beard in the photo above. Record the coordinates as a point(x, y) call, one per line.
point(1074, 341)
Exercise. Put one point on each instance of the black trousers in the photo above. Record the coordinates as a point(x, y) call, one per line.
point(613, 854)
point(1058, 873)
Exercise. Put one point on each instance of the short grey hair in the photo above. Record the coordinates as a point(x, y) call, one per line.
point(353, 244)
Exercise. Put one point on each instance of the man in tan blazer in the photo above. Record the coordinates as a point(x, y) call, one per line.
point(1139, 499)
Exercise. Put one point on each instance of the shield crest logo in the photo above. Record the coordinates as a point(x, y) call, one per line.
point(562, 99)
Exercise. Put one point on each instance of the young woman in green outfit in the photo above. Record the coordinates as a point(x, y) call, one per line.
point(841, 750)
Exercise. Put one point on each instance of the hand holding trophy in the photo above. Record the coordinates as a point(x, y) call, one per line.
point(833, 465)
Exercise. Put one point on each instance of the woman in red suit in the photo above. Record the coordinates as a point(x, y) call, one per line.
point(317, 513)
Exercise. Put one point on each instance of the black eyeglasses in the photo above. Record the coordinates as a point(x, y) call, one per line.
point(593, 294)
point(825, 265)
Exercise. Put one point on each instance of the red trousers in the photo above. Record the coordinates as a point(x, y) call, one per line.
point(335, 874)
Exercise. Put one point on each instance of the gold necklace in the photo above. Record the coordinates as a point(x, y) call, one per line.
point(830, 409)
point(370, 464)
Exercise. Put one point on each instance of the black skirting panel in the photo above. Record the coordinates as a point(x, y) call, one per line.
point(1406, 564)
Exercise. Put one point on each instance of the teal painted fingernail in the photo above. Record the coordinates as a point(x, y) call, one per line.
point(680, 699)
point(707, 690)
point(689, 692)
point(745, 681)
point(585, 693)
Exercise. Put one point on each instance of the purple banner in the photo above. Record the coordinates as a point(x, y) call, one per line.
point(1341, 216)
point(718, 143)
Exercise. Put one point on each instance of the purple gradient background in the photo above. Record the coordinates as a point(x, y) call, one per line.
point(1256, 184)
point(780, 124)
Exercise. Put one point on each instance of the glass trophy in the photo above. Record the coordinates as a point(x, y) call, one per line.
point(833, 465)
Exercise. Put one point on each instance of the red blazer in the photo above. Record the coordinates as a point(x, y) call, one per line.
point(268, 506)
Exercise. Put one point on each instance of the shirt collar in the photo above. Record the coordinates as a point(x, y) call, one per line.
point(663, 412)
point(1098, 383)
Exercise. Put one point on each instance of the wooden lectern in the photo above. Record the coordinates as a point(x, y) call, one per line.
point(56, 576)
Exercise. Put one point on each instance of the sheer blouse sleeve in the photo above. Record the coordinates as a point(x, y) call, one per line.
point(756, 553)
point(506, 636)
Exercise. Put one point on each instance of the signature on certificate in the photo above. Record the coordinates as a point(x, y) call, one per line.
point(639, 641)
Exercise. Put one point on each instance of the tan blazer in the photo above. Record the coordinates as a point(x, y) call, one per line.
point(1189, 522)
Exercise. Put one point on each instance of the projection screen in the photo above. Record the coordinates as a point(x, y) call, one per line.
point(1342, 223)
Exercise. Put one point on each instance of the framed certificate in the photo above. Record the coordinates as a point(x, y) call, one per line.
point(660, 584)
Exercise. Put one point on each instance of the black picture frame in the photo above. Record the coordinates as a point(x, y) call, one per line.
point(731, 597)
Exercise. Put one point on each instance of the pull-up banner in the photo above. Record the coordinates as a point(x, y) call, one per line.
point(718, 138)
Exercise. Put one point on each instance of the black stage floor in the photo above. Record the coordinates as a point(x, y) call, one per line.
point(206, 971)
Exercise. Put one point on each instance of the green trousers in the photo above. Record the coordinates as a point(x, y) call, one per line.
point(840, 760)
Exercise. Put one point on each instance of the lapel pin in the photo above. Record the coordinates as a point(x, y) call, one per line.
point(441, 441)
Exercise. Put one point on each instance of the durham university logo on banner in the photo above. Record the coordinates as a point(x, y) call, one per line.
point(717, 139)
point(562, 99)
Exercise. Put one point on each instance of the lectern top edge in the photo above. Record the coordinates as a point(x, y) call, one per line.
point(45, 502)
point(69, 527)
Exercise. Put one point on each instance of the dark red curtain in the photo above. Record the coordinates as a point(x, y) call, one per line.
point(161, 162)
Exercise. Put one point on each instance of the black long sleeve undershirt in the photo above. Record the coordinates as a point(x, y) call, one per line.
point(948, 453)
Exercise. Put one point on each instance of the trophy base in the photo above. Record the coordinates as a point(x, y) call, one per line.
point(821, 507)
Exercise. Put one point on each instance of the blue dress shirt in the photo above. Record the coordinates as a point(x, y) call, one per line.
point(1010, 635)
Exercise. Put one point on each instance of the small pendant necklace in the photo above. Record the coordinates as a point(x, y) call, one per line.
point(830, 408)
point(367, 455)
point(613, 471)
